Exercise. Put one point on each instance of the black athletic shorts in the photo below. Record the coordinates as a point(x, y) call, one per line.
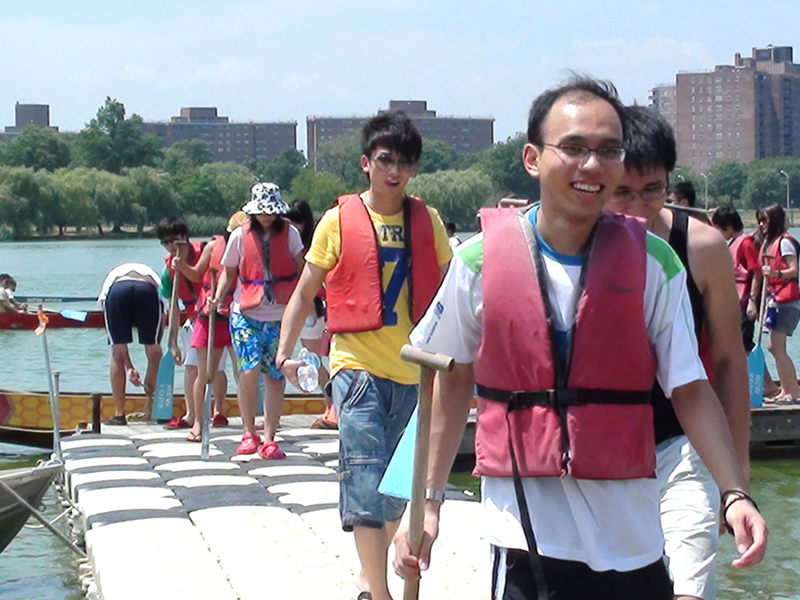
point(748, 330)
point(129, 304)
point(570, 580)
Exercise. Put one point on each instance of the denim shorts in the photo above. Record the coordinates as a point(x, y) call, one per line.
point(373, 413)
point(255, 343)
point(783, 318)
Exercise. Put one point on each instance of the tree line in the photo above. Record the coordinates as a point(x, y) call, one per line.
point(111, 175)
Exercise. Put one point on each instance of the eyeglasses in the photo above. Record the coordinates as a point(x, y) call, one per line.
point(384, 162)
point(580, 154)
point(649, 194)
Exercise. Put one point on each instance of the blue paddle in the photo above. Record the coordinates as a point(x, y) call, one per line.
point(755, 362)
point(165, 383)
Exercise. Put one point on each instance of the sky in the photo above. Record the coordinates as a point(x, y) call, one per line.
point(285, 60)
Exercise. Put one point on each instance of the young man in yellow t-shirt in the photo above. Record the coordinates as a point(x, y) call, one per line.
point(372, 313)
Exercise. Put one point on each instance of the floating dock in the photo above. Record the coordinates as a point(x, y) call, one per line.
point(160, 523)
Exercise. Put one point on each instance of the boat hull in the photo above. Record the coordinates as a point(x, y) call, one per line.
point(29, 321)
point(31, 410)
point(31, 484)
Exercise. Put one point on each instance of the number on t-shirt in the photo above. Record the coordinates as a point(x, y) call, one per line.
point(394, 256)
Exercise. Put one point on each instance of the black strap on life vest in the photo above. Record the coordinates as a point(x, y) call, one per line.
point(564, 397)
point(679, 240)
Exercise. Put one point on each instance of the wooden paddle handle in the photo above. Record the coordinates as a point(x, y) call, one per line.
point(423, 358)
point(173, 308)
point(430, 362)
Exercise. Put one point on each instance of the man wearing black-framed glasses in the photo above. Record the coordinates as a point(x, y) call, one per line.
point(690, 502)
point(563, 315)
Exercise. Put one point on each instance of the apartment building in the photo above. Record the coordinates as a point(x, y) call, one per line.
point(738, 112)
point(468, 134)
point(228, 141)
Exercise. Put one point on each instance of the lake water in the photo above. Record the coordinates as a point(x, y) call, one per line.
point(37, 566)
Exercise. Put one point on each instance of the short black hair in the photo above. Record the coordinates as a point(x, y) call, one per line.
point(392, 129)
point(172, 227)
point(649, 140)
point(4, 276)
point(684, 190)
point(450, 227)
point(727, 216)
point(581, 86)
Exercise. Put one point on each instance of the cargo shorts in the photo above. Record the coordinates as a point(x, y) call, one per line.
point(373, 413)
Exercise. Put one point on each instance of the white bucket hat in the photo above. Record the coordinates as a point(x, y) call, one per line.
point(265, 199)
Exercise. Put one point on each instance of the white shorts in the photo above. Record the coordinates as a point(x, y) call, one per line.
point(313, 327)
point(189, 353)
point(689, 518)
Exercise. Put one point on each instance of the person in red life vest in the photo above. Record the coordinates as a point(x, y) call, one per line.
point(210, 260)
point(564, 314)
point(313, 329)
point(779, 252)
point(265, 255)
point(174, 236)
point(381, 255)
point(747, 275)
point(689, 496)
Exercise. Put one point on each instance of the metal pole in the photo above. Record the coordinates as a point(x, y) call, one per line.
point(54, 409)
point(704, 176)
point(788, 198)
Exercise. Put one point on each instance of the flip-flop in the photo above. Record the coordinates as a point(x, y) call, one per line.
point(194, 437)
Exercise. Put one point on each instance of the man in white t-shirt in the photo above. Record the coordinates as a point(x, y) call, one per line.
point(588, 528)
point(8, 303)
point(130, 298)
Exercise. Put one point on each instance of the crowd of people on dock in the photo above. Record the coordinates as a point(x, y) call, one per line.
point(603, 330)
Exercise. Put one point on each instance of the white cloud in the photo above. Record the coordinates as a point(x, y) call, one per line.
point(636, 53)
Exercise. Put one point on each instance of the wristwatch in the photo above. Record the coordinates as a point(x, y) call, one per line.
point(432, 494)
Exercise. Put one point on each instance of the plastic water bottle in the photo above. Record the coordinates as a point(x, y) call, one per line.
point(308, 374)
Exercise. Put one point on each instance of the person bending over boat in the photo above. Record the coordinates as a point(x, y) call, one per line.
point(690, 500)
point(565, 314)
point(265, 254)
point(382, 255)
point(9, 304)
point(130, 298)
point(210, 260)
point(779, 251)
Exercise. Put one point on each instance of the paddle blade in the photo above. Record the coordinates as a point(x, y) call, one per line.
point(399, 473)
point(162, 399)
point(755, 376)
point(75, 315)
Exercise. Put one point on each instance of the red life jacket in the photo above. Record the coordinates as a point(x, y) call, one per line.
point(782, 289)
point(215, 264)
point(597, 422)
point(251, 267)
point(188, 291)
point(354, 287)
point(741, 275)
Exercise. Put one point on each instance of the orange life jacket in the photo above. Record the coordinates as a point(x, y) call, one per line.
point(215, 264)
point(590, 417)
point(251, 267)
point(782, 289)
point(354, 288)
point(188, 291)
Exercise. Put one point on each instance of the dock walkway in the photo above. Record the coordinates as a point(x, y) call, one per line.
point(161, 523)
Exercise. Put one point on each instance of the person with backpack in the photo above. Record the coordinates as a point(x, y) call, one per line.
point(779, 252)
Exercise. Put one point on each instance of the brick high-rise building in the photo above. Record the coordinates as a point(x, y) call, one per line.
point(738, 112)
point(469, 134)
point(237, 142)
point(27, 114)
